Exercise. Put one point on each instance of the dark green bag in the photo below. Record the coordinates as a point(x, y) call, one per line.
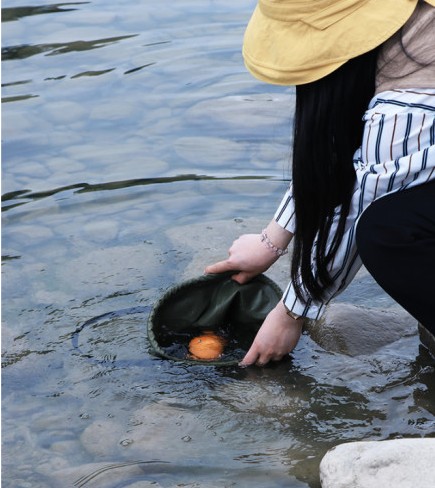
point(211, 303)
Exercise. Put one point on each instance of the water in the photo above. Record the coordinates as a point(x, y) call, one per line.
point(136, 147)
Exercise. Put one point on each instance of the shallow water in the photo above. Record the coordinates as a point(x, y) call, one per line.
point(135, 148)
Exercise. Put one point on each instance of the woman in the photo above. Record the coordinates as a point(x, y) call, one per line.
point(344, 56)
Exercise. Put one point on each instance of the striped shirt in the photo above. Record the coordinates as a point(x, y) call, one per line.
point(397, 152)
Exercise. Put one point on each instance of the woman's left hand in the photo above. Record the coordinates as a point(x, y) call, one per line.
point(277, 337)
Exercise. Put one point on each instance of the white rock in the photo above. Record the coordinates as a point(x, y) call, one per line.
point(400, 463)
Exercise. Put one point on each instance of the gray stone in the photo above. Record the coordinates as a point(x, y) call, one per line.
point(109, 270)
point(101, 230)
point(400, 463)
point(194, 149)
point(241, 112)
point(102, 437)
point(352, 330)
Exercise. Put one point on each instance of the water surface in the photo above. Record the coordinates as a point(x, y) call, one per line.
point(136, 147)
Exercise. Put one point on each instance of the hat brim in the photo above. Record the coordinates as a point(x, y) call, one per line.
point(297, 52)
point(205, 303)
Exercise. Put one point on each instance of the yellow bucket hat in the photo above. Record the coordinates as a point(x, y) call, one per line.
point(292, 42)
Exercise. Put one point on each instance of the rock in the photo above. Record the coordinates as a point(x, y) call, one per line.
point(400, 463)
point(101, 438)
point(109, 270)
point(427, 339)
point(354, 330)
point(194, 148)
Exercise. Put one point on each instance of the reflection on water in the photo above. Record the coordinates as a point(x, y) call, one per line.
point(16, 13)
point(25, 51)
point(131, 159)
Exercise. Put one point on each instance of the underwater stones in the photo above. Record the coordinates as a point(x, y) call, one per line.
point(101, 230)
point(64, 112)
point(110, 269)
point(157, 431)
point(196, 149)
point(117, 110)
point(161, 430)
point(102, 475)
point(399, 463)
point(348, 329)
point(36, 169)
point(210, 242)
point(101, 437)
point(241, 113)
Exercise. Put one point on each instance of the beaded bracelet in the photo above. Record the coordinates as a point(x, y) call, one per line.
point(277, 250)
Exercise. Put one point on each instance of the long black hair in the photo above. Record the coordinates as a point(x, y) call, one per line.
point(328, 129)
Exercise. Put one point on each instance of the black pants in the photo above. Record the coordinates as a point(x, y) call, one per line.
point(396, 241)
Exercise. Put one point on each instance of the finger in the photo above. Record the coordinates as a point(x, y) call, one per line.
point(276, 359)
point(260, 363)
point(250, 358)
point(219, 267)
point(243, 277)
point(263, 360)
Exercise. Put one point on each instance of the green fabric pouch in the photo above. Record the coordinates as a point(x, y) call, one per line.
point(211, 303)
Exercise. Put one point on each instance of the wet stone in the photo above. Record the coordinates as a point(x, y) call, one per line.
point(114, 111)
point(168, 433)
point(63, 112)
point(197, 149)
point(17, 123)
point(354, 330)
point(32, 170)
point(101, 230)
point(398, 463)
point(210, 242)
point(112, 269)
point(241, 113)
point(102, 437)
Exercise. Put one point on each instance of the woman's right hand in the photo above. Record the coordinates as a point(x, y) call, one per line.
point(248, 256)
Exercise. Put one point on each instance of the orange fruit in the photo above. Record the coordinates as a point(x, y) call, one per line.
point(207, 346)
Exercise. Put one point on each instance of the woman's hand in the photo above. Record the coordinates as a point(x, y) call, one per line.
point(249, 256)
point(276, 338)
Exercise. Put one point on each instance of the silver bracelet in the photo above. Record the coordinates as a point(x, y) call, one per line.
point(277, 250)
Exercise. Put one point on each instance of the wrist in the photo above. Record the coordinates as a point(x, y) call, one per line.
point(278, 251)
point(293, 315)
point(278, 235)
point(282, 310)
